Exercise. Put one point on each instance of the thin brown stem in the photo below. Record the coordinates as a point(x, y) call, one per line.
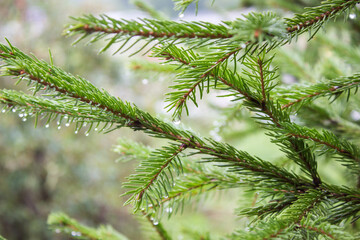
point(332, 89)
point(181, 148)
point(321, 231)
point(319, 18)
point(90, 29)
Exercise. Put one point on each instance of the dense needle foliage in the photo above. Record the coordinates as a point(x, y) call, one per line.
point(243, 60)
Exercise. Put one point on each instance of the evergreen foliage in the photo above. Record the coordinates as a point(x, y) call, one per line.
point(237, 59)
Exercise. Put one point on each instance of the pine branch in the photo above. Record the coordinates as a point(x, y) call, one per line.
point(341, 146)
point(321, 226)
point(304, 94)
point(194, 76)
point(318, 230)
point(153, 171)
point(63, 109)
point(315, 17)
point(60, 222)
point(182, 5)
point(196, 181)
point(191, 33)
point(80, 89)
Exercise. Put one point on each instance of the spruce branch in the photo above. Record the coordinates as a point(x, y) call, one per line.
point(62, 109)
point(80, 89)
point(344, 148)
point(195, 76)
point(153, 171)
point(195, 33)
point(315, 17)
point(182, 5)
point(300, 94)
point(60, 222)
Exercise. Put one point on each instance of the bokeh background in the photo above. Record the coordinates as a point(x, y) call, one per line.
point(50, 169)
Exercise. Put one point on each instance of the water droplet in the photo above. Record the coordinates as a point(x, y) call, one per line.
point(58, 122)
point(86, 134)
point(352, 15)
point(84, 124)
point(76, 108)
point(155, 223)
point(66, 116)
point(165, 197)
point(30, 114)
point(76, 131)
point(24, 119)
point(73, 233)
point(145, 81)
point(3, 111)
point(67, 124)
point(57, 230)
point(177, 121)
point(243, 45)
point(59, 127)
point(181, 15)
point(47, 125)
point(169, 210)
point(13, 110)
point(21, 115)
point(355, 115)
point(152, 219)
point(96, 129)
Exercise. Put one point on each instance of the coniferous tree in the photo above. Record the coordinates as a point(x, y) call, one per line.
point(238, 59)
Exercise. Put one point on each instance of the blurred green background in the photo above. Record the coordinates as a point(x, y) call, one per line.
point(46, 169)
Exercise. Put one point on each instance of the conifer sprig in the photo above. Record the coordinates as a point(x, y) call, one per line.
point(155, 170)
point(300, 94)
point(17, 62)
point(315, 17)
point(157, 31)
point(62, 223)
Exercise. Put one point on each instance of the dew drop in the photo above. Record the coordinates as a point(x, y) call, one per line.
point(59, 127)
point(13, 110)
point(67, 124)
point(355, 115)
point(96, 129)
point(58, 123)
point(84, 124)
point(86, 134)
point(76, 131)
point(24, 119)
point(155, 223)
point(145, 81)
point(30, 114)
point(169, 210)
point(47, 125)
point(352, 15)
point(152, 219)
point(243, 45)
point(21, 115)
point(75, 108)
point(66, 116)
point(181, 15)
point(177, 121)
point(3, 111)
